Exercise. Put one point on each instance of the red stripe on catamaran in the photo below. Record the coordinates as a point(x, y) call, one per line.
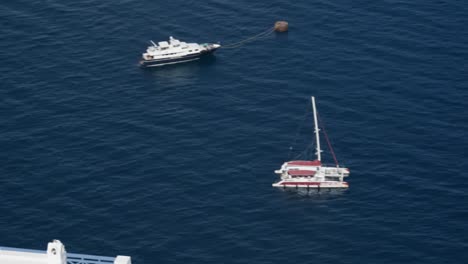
point(300, 183)
point(319, 184)
point(305, 162)
point(301, 172)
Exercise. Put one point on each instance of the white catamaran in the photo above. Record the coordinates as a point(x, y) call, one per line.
point(312, 173)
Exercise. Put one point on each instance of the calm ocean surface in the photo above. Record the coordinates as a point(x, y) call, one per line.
point(175, 165)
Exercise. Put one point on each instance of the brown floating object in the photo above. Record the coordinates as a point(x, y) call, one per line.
point(281, 26)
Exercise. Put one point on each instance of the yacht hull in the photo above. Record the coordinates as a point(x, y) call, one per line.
point(174, 60)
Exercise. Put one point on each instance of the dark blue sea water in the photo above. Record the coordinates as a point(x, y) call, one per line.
point(175, 165)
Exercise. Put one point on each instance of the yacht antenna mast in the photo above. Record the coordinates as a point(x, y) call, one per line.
point(317, 137)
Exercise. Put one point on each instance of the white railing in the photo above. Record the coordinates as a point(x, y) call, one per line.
point(334, 171)
point(22, 256)
point(88, 259)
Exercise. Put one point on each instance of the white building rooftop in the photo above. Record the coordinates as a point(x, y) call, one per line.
point(55, 254)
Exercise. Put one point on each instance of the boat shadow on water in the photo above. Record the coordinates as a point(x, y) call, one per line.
point(322, 193)
point(180, 71)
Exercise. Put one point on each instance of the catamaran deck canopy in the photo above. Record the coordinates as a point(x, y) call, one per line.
point(301, 172)
point(305, 162)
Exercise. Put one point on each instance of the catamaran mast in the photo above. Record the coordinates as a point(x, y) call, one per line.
point(317, 137)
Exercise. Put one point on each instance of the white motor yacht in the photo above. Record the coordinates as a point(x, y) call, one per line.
point(175, 51)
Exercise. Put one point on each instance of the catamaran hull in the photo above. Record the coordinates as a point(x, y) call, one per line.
point(175, 60)
point(310, 185)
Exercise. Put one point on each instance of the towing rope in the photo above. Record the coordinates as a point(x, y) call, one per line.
point(250, 39)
